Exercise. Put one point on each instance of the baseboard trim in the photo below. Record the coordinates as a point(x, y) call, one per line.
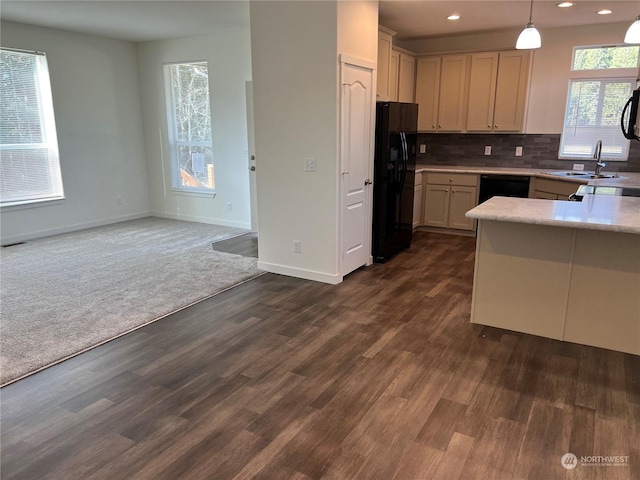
point(447, 231)
point(300, 273)
point(72, 228)
point(199, 219)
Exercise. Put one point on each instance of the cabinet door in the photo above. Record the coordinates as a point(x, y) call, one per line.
point(462, 200)
point(428, 92)
point(436, 205)
point(511, 91)
point(406, 78)
point(482, 91)
point(452, 93)
point(394, 71)
point(417, 205)
point(384, 60)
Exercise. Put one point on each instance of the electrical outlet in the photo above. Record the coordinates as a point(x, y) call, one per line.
point(309, 164)
point(229, 207)
point(423, 148)
point(487, 150)
point(118, 200)
point(297, 246)
point(518, 151)
point(578, 166)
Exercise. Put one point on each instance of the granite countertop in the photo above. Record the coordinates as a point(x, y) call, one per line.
point(625, 179)
point(595, 212)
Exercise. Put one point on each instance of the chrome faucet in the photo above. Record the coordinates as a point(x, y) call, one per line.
point(596, 156)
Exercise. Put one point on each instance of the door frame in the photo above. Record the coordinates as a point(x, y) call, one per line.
point(345, 60)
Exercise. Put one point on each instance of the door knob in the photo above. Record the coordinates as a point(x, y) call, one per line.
point(253, 157)
point(368, 182)
point(252, 168)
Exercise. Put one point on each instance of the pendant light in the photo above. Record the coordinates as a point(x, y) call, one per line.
point(529, 37)
point(633, 34)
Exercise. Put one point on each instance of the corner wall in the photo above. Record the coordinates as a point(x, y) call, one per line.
point(96, 98)
point(295, 68)
point(229, 57)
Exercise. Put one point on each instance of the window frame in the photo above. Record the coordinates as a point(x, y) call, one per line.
point(173, 143)
point(610, 74)
point(47, 123)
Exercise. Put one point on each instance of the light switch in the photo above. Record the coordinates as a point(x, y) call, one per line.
point(518, 151)
point(423, 148)
point(309, 164)
point(487, 150)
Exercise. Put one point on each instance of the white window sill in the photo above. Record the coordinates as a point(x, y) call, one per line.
point(9, 207)
point(194, 193)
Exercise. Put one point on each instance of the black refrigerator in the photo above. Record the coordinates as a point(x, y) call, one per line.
point(394, 176)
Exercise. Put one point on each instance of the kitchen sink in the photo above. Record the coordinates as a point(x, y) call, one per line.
point(579, 174)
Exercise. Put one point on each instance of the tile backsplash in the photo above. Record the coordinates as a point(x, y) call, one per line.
point(539, 151)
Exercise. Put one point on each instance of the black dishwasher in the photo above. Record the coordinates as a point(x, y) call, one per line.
point(503, 186)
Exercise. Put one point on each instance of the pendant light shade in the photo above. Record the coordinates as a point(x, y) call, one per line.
point(529, 37)
point(633, 34)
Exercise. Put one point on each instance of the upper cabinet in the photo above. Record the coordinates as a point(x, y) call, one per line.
point(511, 90)
point(383, 89)
point(440, 92)
point(497, 91)
point(477, 92)
point(396, 70)
point(406, 79)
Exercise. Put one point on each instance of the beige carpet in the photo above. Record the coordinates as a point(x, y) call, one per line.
point(61, 295)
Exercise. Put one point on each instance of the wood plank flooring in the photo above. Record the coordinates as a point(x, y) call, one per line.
point(380, 377)
point(245, 245)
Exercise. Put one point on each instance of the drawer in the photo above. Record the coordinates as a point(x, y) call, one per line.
point(463, 179)
point(555, 186)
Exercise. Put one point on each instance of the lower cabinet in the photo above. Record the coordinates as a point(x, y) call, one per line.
point(417, 201)
point(447, 197)
point(549, 189)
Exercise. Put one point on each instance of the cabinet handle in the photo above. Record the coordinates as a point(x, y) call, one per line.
point(433, 126)
point(439, 126)
point(446, 190)
point(489, 126)
point(453, 191)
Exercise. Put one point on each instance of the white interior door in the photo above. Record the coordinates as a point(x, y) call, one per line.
point(251, 157)
point(357, 105)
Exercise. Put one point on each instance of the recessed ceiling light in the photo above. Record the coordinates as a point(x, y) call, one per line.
point(565, 4)
point(453, 17)
point(604, 12)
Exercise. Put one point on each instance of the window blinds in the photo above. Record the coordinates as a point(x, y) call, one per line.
point(29, 161)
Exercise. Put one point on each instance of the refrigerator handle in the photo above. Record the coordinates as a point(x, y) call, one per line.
point(405, 159)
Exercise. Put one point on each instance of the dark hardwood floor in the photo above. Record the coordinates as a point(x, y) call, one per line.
point(380, 377)
point(245, 245)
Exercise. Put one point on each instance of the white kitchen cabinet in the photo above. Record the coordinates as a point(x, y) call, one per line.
point(511, 90)
point(440, 92)
point(383, 88)
point(549, 189)
point(402, 76)
point(428, 92)
point(447, 198)
point(394, 72)
point(417, 201)
point(497, 91)
point(406, 77)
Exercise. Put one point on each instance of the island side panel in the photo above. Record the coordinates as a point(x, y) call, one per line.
point(521, 281)
point(604, 297)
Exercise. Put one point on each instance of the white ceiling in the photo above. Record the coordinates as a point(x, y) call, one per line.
point(427, 18)
point(143, 20)
point(135, 21)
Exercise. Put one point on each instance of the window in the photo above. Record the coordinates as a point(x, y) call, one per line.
point(189, 122)
point(603, 79)
point(29, 161)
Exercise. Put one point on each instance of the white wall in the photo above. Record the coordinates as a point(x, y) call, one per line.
point(358, 29)
point(229, 57)
point(294, 60)
point(96, 99)
point(550, 68)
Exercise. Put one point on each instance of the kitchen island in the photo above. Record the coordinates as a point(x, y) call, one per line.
point(563, 270)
